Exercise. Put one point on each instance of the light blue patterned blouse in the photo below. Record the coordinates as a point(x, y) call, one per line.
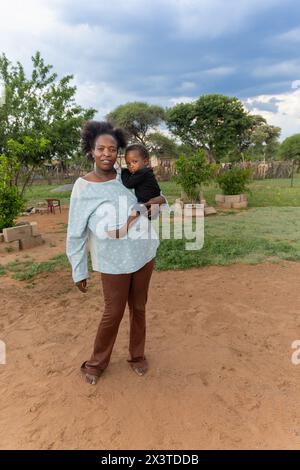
point(96, 208)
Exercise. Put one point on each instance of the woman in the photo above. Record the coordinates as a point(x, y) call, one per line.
point(99, 202)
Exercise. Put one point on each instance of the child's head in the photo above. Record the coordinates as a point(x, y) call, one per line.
point(137, 157)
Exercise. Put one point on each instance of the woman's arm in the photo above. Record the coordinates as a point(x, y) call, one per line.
point(77, 237)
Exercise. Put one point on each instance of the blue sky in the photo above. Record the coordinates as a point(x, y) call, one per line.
point(166, 51)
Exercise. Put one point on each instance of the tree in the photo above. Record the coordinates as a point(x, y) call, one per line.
point(264, 140)
point(192, 172)
point(162, 146)
point(215, 123)
point(137, 119)
point(290, 148)
point(39, 107)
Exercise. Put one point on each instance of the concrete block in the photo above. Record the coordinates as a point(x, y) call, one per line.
point(233, 198)
point(30, 242)
point(219, 198)
point(209, 210)
point(240, 205)
point(16, 233)
point(34, 229)
point(227, 205)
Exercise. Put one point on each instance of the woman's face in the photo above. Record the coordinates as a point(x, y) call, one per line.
point(105, 152)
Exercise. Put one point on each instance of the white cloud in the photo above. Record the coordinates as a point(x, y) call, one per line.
point(180, 99)
point(31, 25)
point(287, 115)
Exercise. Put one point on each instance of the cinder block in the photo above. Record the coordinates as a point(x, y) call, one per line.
point(30, 242)
point(34, 229)
point(240, 205)
point(219, 198)
point(209, 210)
point(16, 233)
point(227, 204)
point(233, 198)
point(244, 197)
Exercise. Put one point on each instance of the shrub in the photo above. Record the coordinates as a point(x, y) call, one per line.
point(11, 204)
point(192, 172)
point(234, 181)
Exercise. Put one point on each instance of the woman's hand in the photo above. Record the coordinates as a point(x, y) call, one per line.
point(82, 285)
point(153, 206)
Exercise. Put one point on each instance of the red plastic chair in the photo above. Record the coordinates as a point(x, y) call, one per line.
point(52, 203)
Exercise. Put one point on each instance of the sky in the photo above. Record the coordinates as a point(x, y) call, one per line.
point(165, 51)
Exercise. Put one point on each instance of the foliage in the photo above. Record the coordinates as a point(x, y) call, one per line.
point(137, 119)
point(162, 146)
point(39, 110)
point(234, 181)
point(11, 202)
point(264, 140)
point(290, 148)
point(214, 122)
point(192, 172)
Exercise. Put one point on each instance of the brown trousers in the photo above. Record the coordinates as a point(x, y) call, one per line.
point(118, 289)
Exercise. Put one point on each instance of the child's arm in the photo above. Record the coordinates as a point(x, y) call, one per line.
point(131, 180)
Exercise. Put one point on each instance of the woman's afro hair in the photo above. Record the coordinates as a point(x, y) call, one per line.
point(92, 129)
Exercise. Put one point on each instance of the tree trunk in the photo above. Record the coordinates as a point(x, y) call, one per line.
point(210, 156)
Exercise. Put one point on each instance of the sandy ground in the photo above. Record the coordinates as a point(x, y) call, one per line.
point(218, 342)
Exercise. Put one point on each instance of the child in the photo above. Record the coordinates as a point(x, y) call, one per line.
point(140, 177)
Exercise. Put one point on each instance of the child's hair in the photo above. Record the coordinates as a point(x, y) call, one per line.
point(92, 129)
point(139, 148)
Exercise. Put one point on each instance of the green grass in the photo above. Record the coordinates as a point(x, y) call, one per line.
point(41, 192)
point(28, 270)
point(253, 236)
point(267, 231)
point(268, 192)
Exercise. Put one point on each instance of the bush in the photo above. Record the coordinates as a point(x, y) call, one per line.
point(192, 172)
point(11, 204)
point(234, 181)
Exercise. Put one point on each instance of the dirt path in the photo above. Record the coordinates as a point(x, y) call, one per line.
point(219, 346)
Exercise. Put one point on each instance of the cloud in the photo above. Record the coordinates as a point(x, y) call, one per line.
point(291, 36)
point(285, 112)
point(161, 51)
point(287, 68)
